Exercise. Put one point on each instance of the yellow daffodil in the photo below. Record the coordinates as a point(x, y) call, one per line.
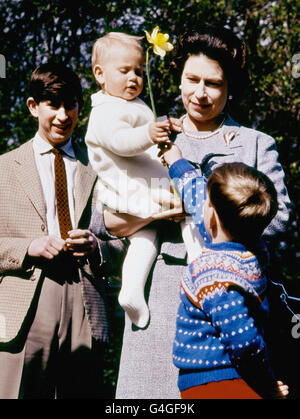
point(159, 41)
point(160, 44)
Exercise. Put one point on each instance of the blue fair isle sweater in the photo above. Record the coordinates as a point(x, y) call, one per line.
point(219, 333)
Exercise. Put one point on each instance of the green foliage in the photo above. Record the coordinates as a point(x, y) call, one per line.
point(34, 31)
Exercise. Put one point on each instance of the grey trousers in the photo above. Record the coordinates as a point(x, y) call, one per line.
point(59, 358)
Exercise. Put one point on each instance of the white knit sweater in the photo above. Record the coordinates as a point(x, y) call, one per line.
point(131, 177)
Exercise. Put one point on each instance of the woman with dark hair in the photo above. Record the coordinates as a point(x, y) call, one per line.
point(212, 66)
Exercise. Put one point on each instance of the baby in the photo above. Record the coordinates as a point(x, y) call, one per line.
point(122, 139)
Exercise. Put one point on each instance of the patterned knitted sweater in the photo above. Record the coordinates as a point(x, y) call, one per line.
point(219, 333)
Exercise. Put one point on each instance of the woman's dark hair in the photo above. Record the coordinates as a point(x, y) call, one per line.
point(219, 44)
point(57, 83)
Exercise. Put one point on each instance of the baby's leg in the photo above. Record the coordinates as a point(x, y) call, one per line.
point(192, 239)
point(139, 259)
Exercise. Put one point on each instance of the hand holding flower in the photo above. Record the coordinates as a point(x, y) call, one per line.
point(159, 131)
point(170, 155)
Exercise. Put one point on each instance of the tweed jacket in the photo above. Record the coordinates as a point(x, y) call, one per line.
point(22, 219)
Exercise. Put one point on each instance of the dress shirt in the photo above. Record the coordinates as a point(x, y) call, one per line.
point(45, 164)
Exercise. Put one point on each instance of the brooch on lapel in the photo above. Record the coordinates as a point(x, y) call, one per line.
point(229, 136)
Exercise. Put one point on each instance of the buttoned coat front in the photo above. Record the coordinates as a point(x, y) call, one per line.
point(22, 219)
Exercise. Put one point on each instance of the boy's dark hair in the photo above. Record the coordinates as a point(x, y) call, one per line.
point(219, 44)
point(245, 200)
point(57, 83)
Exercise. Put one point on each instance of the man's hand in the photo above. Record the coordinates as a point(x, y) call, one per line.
point(81, 243)
point(282, 389)
point(46, 247)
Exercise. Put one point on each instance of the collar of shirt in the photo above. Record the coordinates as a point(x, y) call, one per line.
point(45, 165)
point(41, 146)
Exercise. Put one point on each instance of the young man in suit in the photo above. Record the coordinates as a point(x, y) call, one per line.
point(53, 316)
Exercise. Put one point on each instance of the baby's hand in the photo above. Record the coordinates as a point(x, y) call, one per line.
point(159, 131)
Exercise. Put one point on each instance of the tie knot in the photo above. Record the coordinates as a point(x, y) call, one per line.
point(57, 151)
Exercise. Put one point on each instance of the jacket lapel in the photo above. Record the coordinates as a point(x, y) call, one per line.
point(28, 176)
point(84, 181)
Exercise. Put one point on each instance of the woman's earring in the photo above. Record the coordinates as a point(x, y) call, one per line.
point(180, 86)
point(230, 97)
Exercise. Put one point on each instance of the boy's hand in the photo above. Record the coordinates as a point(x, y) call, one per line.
point(81, 243)
point(46, 247)
point(170, 155)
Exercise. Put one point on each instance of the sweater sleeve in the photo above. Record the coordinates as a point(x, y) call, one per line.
point(191, 186)
point(230, 315)
point(112, 128)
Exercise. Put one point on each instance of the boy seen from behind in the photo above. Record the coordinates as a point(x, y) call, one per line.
point(219, 347)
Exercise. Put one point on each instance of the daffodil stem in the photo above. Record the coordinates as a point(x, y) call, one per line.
point(149, 85)
point(154, 111)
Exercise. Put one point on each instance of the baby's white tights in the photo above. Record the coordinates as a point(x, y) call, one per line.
point(139, 259)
